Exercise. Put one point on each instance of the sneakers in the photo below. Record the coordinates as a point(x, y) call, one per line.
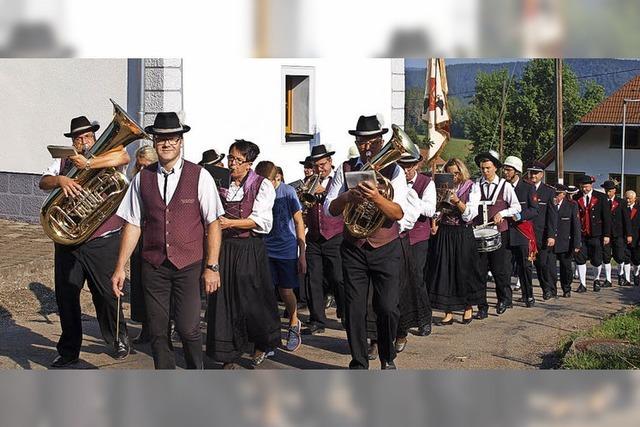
point(294, 340)
point(261, 356)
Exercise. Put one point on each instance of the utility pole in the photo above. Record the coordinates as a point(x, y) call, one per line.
point(559, 131)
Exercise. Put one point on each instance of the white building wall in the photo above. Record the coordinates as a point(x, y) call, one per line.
point(41, 96)
point(591, 154)
point(244, 98)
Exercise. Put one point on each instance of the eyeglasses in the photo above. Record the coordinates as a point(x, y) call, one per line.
point(231, 159)
point(169, 141)
point(368, 141)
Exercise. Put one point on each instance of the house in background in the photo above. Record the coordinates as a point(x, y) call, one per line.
point(593, 146)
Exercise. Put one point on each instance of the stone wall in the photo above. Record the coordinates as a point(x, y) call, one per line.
point(20, 197)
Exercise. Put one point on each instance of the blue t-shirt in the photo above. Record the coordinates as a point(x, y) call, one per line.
point(281, 242)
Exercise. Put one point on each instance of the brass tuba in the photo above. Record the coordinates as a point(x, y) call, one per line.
point(364, 219)
point(72, 220)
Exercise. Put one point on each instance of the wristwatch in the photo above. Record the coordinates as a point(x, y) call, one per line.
point(213, 267)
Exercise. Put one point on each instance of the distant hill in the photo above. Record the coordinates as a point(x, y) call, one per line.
point(610, 73)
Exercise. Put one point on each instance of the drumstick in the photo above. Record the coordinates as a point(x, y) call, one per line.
point(117, 339)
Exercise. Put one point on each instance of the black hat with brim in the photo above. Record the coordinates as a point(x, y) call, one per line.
point(210, 157)
point(167, 124)
point(319, 152)
point(536, 167)
point(561, 188)
point(308, 164)
point(608, 185)
point(408, 159)
point(368, 126)
point(80, 125)
point(490, 155)
point(585, 179)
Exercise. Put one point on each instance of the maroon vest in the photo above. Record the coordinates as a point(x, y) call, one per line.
point(454, 216)
point(112, 223)
point(320, 224)
point(241, 209)
point(498, 206)
point(421, 230)
point(389, 230)
point(175, 231)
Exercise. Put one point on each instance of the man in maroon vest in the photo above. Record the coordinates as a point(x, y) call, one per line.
point(374, 259)
point(415, 226)
point(175, 205)
point(495, 200)
point(93, 261)
point(324, 238)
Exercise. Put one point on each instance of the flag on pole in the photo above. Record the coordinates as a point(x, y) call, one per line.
point(435, 111)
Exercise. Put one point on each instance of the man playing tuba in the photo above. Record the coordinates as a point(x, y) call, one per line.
point(374, 258)
point(93, 260)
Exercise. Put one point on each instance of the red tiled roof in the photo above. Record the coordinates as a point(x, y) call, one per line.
point(609, 111)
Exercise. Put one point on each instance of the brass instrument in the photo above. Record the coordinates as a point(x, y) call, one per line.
point(364, 219)
point(307, 192)
point(72, 220)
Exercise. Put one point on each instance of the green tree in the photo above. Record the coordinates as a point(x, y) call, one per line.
point(529, 112)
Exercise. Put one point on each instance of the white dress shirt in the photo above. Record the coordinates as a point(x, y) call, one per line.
point(131, 208)
point(262, 212)
point(416, 206)
point(584, 197)
point(475, 195)
point(339, 186)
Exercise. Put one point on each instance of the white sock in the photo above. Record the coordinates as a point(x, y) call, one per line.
point(607, 272)
point(636, 270)
point(582, 274)
point(627, 272)
point(598, 272)
point(621, 269)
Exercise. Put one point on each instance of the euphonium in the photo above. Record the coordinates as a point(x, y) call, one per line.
point(364, 219)
point(72, 220)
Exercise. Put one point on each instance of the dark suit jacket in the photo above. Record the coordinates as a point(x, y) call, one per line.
point(598, 210)
point(546, 222)
point(620, 222)
point(526, 194)
point(568, 234)
point(634, 223)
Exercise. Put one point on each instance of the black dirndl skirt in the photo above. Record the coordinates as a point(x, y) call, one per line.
point(243, 313)
point(453, 273)
point(415, 310)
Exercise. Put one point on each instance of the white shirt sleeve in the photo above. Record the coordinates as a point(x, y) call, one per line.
point(54, 169)
point(428, 201)
point(130, 208)
point(512, 200)
point(400, 188)
point(262, 213)
point(210, 204)
point(411, 211)
point(337, 188)
point(471, 209)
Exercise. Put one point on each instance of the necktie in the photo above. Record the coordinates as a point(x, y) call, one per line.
point(588, 201)
point(164, 194)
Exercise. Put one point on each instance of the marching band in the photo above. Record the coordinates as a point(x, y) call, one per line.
point(388, 241)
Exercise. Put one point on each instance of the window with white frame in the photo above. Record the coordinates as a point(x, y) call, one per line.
point(298, 103)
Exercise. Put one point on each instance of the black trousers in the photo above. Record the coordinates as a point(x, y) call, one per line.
point(520, 256)
point(616, 250)
point(93, 262)
point(591, 250)
point(499, 263)
point(381, 267)
point(418, 262)
point(545, 264)
point(324, 264)
point(138, 308)
point(163, 286)
point(566, 272)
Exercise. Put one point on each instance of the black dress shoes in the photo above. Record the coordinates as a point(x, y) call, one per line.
point(445, 322)
point(596, 286)
point(566, 294)
point(122, 348)
point(625, 282)
point(329, 301)
point(372, 353)
point(636, 280)
point(424, 330)
point(546, 296)
point(482, 313)
point(401, 343)
point(607, 284)
point(313, 329)
point(581, 289)
point(387, 365)
point(530, 302)
point(467, 321)
point(64, 362)
point(502, 307)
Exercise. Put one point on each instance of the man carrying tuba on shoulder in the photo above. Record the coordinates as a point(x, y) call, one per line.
point(374, 258)
point(93, 260)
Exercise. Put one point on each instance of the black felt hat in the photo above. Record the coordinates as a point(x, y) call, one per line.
point(80, 125)
point(368, 126)
point(167, 124)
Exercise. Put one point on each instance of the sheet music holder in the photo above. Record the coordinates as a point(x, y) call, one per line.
point(356, 177)
point(61, 151)
point(221, 176)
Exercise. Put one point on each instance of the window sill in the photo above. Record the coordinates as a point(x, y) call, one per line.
point(298, 137)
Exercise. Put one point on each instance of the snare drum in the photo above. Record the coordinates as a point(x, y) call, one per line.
point(487, 239)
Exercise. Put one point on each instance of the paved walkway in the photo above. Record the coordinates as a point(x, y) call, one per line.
point(519, 339)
